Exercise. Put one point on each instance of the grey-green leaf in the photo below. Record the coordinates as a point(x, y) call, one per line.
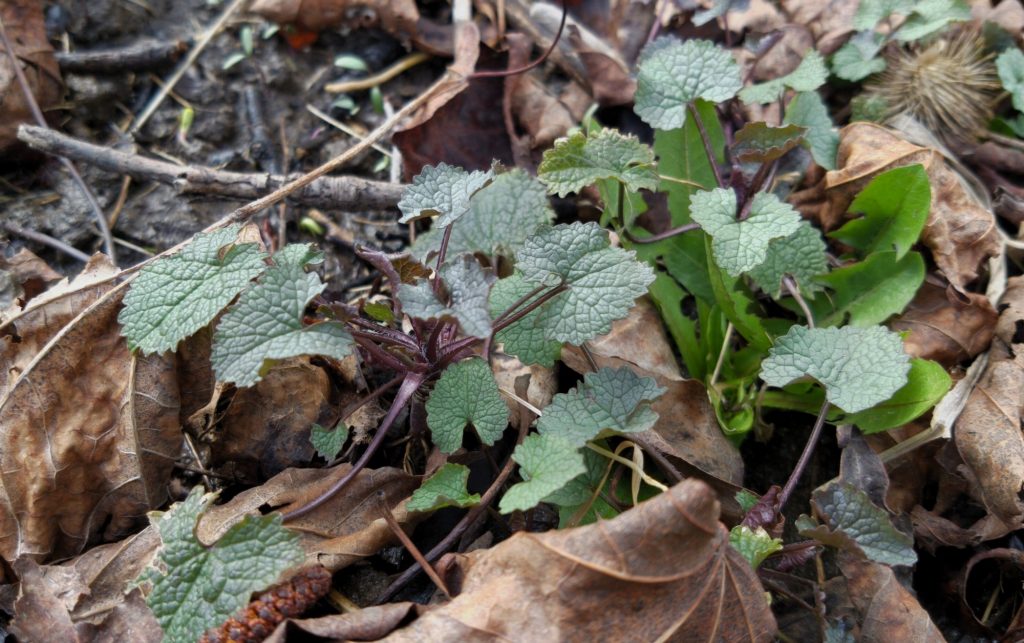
point(175, 296)
point(266, 323)
point(801, 256)
point(196, 587)
point(1010, 65)
point(601, 282)
point(859, 367)
point(446, 488)
point(859, 57)
point(466, 394)
point(809, 75)
point(609, 399)
point(853, 519)
point(741, 245)
point(546, 464)
point(930, 16)
point(807, 110)
point(673, 73)
point(328, 442)
point(469, 286)
point(581, 160)
point(527, 338)
point(442, 191)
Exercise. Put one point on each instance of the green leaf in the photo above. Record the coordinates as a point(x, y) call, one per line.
point(760, 143)
point(602, 282)
point(868, 107)
point(673, 73)
point(328, 442)
point(859, 367)
point(610, 399)
point(870, 291)
point(858, 58)
point(527, 338)
point(501, 216)
point(266, 323)
point(801, 255)
point(469, 286)
point(668, 296)
point(929, 16)
point(738, 305)
point(1010, 65)
point(581, 490)
point(351, 62)
point(809, 111)
point(927, 383)
point(686, 259)
point(442, 191)
point(466, 394)
point(196, 587)
point(379, 311)
point(581, 160)
point(895, 206)
point(175, 296)
point(741, 245)
point(871, 12)
point(753, 545)
point(446, 488)
point(854, 522)
point(546, 464)
point(809, 75)
point(719, 9)
point(746, 499)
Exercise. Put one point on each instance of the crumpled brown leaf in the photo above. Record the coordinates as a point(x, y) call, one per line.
point(887, 611)
point(23, 21)
point(960, 233)
point(988, 433)
point(397, 17)
point(663, 570)
point(88, 432)
point(22, 277)
point(1009, 572)
point(945, 325)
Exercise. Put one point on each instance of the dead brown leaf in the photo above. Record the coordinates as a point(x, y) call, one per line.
point(367, 624)
point(945, 325)
point(27, 276)
point(887, 611)
point(960, 233)
point(661, 571)
point(26, 29)
point(397, 17)
point(1008, 573)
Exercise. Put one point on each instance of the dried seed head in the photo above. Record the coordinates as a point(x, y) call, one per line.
point(950, 86)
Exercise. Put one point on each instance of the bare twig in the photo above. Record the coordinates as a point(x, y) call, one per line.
point(37, 115)
point(138, 56)
point(379, 78)
point(46, 240)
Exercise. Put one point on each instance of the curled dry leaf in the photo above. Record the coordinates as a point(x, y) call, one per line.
point(663, 570)
point(887, 611)
point(1009, 572)
point(960, 233)
point(24, 23)
point(368, 624)
point(945, 325)
point(988, 433)
point(22, 277)
point(88, 431)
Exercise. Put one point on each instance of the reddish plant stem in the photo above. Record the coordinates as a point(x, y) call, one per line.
point(409, 386)
point(519, 302)
point(371, 396)
point(380, 334)
point(441, 253)
point(385, 357)
point(805, 457)
point(539, 61)
point(699, 122)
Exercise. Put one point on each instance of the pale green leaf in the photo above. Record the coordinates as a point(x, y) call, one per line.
point(582, 492)
point(761, 143)
point(501, 216)
point(266, 323)
point(441, 191)
point(446, 488)
point(754, 545)
point(610, 399)
point(741, 245)
point(854, 522)
point(466, 394)
point(546, 464)
point(581, 160)
point(673, 73)
point(719, 9)
point(195, 587)
point(175, 296)
point(328, 442)
point(927, 383)
point(871, 12)
point(859, 367)
point(895, 206)
point(527, 338)
point(601, 282)
point(871, 291)
point(859, 57)
point(1010, 65)
point(468, 285)
point(801, 256)
point(809, 75)
point(809, 111)
point(930, 16)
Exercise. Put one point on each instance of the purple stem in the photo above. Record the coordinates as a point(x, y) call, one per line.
point(707, 143)
point(805, 457)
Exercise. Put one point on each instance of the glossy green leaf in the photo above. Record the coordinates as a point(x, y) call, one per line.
point(738, 305)
point(754, 545)
point(871, 291)
point(761, 143)
point(895, 206)
point(927, 383)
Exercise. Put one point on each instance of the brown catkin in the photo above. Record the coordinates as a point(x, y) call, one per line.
point(258, 619)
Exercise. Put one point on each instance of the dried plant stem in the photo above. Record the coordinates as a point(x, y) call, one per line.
point(380, 77)
point(37, 116)
point(794, 291)
point(411, 547)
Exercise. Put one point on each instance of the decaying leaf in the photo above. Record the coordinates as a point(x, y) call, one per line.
point(661, 571)
point(398, 17)
point(888, 612)
point(946, 325)
point(26, 29)
point(960, 233)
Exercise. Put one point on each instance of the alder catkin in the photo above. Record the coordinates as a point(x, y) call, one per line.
point(258, 619)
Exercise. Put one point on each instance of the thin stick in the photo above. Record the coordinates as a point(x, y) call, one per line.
point(327, 118)
point(629, 464)
point(721, 353)
point(46, 240)
point(37, 116)
point(197, 49)
point(410, 546)
point(707, 143)
point(380, 77)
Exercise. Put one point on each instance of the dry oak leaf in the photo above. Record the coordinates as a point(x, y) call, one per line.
point(88, 431)
point(960, 233)
point(887, 611)
point(663, 571)
point(24, 22)
point(947, 326)
point(22, 277)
